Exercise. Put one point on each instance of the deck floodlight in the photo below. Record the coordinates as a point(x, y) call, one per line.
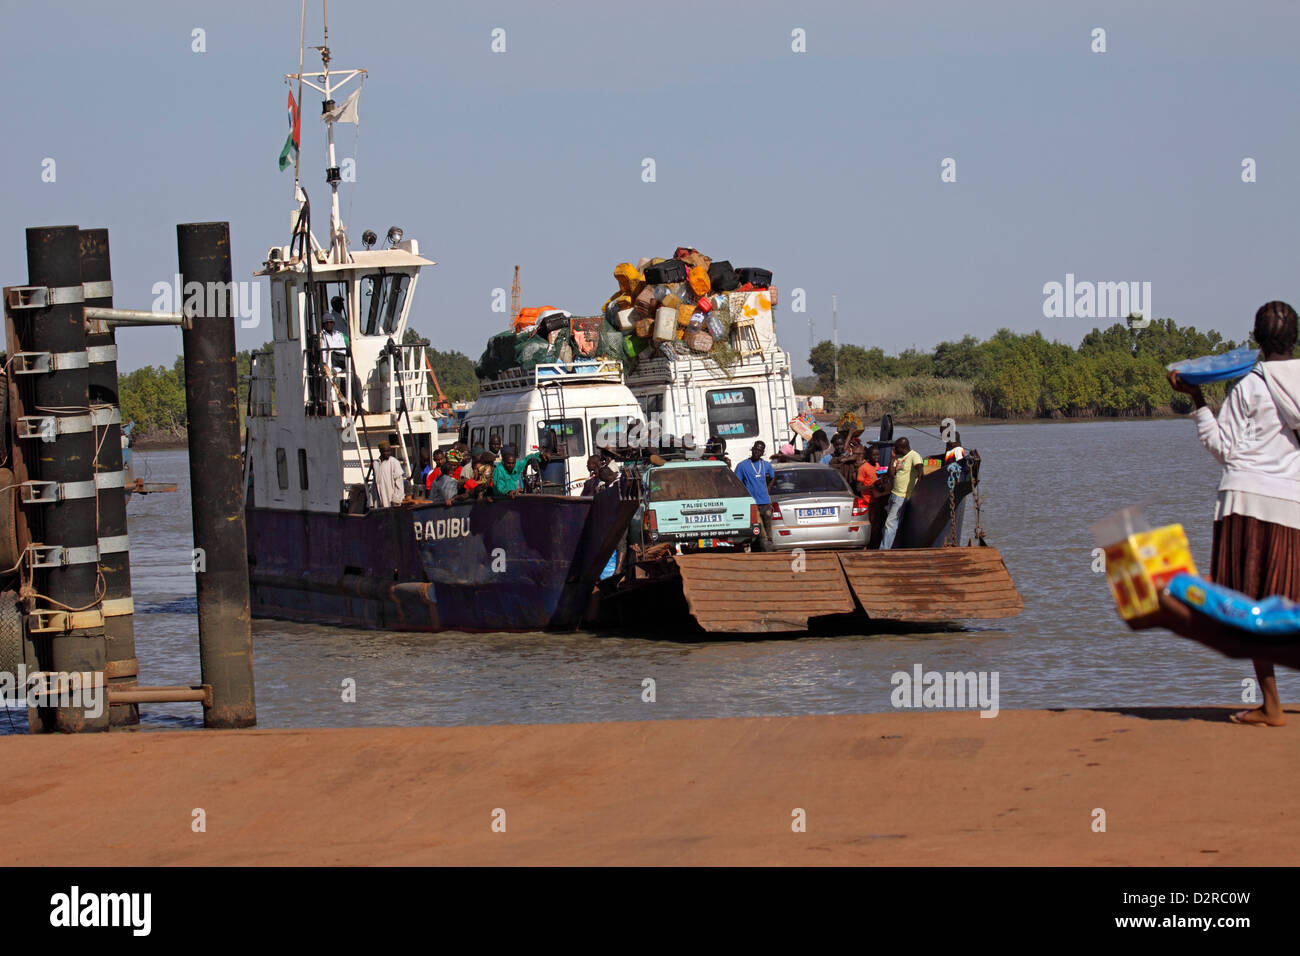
point(368, 238)
point(394, 235)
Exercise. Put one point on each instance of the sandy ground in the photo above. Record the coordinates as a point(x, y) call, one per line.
point(1177, 787)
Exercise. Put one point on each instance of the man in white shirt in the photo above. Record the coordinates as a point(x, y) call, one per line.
point(333, 345)
point(390, 485)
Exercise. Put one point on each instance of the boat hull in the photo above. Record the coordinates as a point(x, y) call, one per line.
point(512, 564)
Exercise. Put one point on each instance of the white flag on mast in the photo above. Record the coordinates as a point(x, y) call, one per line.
point(346, 112)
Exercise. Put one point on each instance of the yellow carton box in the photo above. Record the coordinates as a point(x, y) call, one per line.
point(1139, 566)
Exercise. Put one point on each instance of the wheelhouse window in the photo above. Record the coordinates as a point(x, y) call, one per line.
point(732, 412)
point(281, 469)
point(326, 293)
point(382, 297)
point(567, 434)
point(516, 437)
point(476, 438)
point(302, 469)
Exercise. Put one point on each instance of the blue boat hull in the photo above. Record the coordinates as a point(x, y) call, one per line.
point(525, 563)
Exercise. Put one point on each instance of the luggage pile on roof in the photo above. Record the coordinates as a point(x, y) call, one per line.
point(688, 304)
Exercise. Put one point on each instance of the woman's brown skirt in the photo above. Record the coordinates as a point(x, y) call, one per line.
point(1257, 558)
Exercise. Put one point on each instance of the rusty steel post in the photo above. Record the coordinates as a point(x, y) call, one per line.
point(65, 457)
point(114, 552)
point(216, 476)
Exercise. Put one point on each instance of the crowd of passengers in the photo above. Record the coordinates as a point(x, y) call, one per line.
point(885, 489)
point(459, 474)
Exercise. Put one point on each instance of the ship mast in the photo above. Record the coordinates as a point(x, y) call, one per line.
point(329, 84)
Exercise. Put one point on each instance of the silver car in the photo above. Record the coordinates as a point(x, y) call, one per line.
point(813, 507)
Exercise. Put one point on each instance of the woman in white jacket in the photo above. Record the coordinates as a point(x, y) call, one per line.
point(1256, 546)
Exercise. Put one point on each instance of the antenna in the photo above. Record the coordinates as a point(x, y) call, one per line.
point(514, 298)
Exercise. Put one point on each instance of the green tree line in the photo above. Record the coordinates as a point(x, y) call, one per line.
point(1117, 371)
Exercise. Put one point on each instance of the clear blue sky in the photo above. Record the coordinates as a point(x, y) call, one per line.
point(822, 166)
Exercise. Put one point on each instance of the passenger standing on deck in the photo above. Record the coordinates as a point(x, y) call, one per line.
point(836, 450)
point(756, 475)
point(905, 470)
point(592, 484)
point(494, 446)
point(1256, 545)
point(426, 470)
point(389, 481)
point(508, 471)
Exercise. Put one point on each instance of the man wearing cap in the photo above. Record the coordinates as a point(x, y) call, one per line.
point(390, 484)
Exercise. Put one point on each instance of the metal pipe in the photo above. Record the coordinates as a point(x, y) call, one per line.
point(115, 317)
point(54, 261)
point(115, 566)
point(119, 696)
point(216, 479)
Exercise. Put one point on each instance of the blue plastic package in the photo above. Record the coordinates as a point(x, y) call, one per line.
point(1216, 368)
point(1273, 617)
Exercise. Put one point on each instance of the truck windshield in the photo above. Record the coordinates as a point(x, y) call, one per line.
point(808, 481)
point(683, 484)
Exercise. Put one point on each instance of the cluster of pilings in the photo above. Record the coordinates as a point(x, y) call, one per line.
point(65, 584)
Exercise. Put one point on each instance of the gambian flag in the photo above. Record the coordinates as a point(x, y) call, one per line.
point(295, 134)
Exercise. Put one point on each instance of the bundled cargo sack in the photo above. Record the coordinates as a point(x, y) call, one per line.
point(722, 278)
point(667, 297)
point(634, 345)
point(645, 302)
point(624, 320)
point(531, 352)
point(585, 334)
point(630, 278)
point(697, 340)
point(498, 354)
point(699, 280)
point(684, 315)
point(715, 327)
point(670, 270)
point(644, 328)
point(752, 275)
point(665, 328)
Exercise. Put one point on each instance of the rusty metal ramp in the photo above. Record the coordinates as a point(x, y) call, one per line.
point(932, 584)
point(763, 591)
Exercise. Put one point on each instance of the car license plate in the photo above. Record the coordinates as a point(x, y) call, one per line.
point(702, 519)
point(817, 515)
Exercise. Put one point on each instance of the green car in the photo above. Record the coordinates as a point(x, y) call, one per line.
point(697, 505)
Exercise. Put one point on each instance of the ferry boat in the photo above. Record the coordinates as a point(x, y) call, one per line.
point(319, 546)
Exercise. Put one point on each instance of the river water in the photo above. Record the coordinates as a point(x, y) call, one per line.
point(1042, 484)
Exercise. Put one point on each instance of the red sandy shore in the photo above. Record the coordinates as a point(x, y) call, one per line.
point(1177, 786)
